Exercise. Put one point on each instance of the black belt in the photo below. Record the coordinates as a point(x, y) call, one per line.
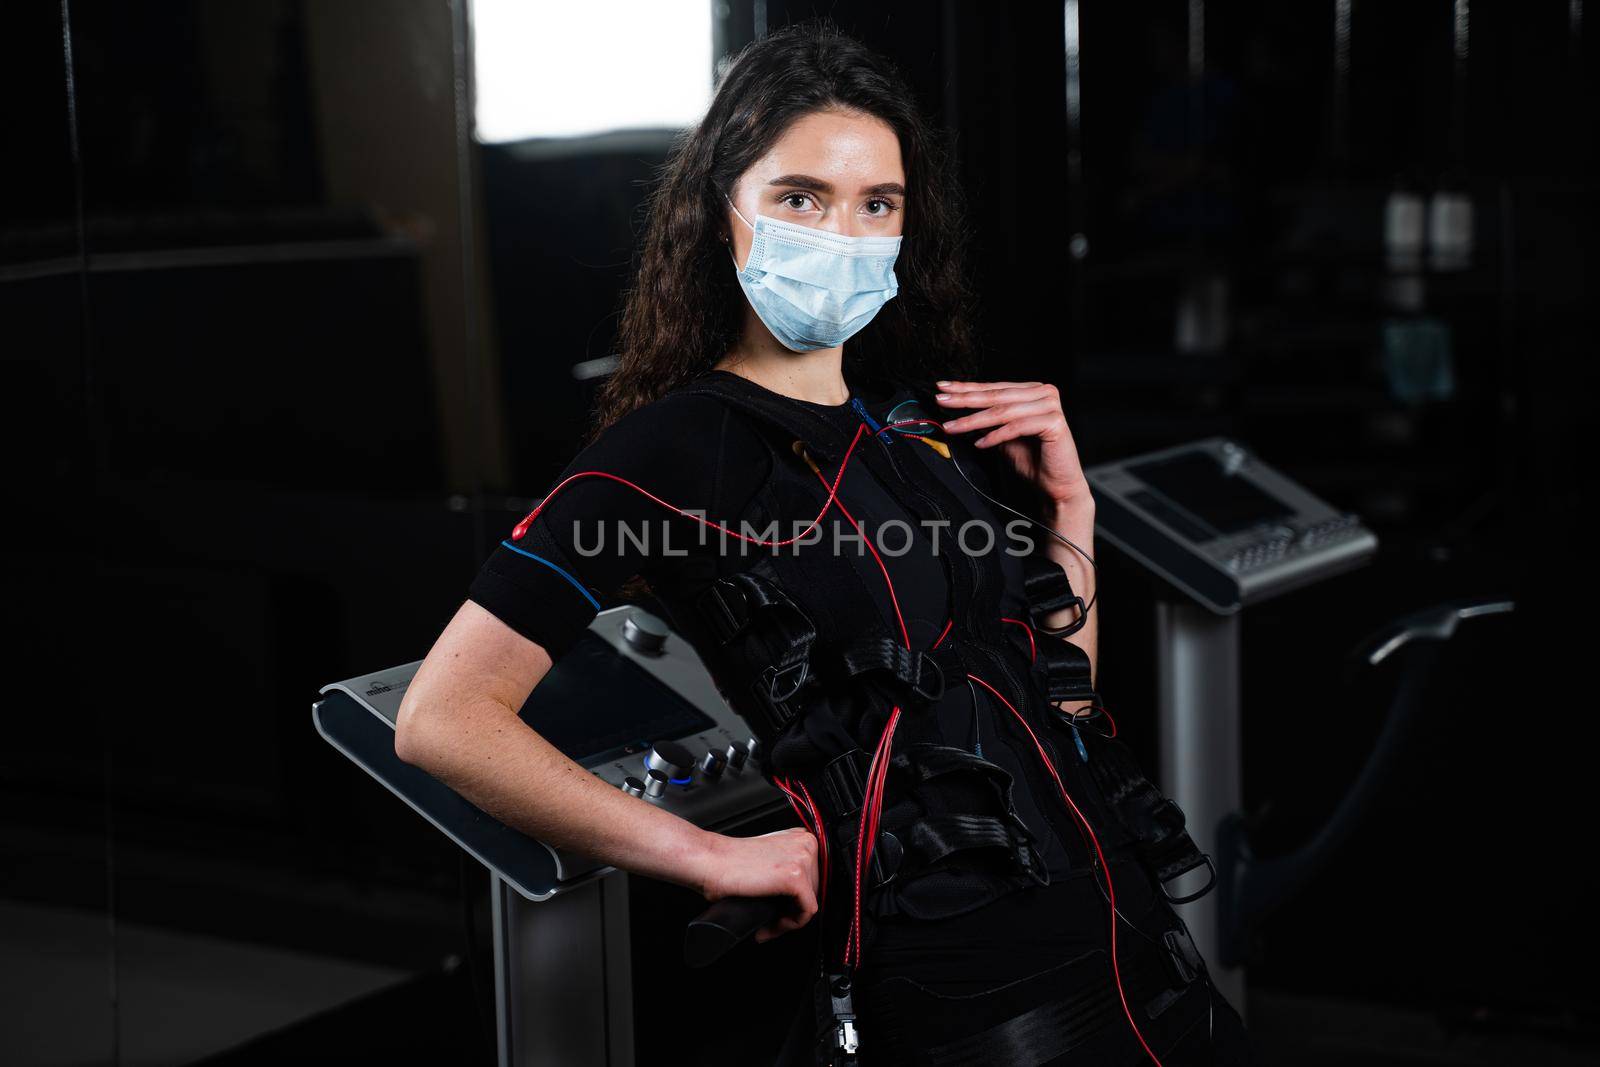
point(1034, 1036)
point(1042, 1033)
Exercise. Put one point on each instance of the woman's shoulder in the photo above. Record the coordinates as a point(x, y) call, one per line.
point(685, 443)
point(688, 407)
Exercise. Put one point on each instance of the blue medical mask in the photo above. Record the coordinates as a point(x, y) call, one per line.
point(813, 288)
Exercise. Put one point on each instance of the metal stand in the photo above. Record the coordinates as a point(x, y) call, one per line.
point(557, 999)
point(1197, 653)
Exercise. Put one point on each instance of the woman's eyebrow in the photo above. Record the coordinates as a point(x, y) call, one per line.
point(806, 181)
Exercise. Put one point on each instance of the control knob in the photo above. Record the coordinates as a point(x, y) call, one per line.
point(644, 633)
point(671, 759)
point(633, 786)
point(655, 784)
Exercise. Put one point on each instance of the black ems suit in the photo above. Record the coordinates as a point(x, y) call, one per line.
point(984, 932)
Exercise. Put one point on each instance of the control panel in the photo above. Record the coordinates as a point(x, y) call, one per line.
point(1222, 526)
point(631, 702)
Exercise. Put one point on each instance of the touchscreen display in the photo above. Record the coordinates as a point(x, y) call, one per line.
point(595, 702)
point(1196, 483)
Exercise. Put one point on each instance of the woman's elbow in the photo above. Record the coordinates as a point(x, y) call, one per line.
point(412, 741)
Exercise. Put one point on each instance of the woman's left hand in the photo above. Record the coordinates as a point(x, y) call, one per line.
point(1026, 421)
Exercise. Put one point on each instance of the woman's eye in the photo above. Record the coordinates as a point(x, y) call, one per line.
point(885, 206)
point(801, 197)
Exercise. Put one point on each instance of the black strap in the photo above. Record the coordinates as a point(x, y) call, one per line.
point(767, 642)
point(919, 831)
point(1034, 1036)
point(951, 801)
point(843, 782)
point(1041, 1034)
point(1066, 669)
point(1155, 822)
point(917, 674)
point(1048, 590)
point(933, 761)
point(840, 789)
point(929, 840)
point(929, 489)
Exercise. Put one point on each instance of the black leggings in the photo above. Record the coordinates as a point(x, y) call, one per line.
point(1027, 980)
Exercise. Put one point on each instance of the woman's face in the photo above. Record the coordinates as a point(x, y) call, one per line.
point(835, 170)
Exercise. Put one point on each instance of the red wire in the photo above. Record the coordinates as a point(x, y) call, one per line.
point(872, 798)
point(816, 827)
point(1033, 649)
point(522, 527)
point(832, 495)
point(877, 772)
point(1111, 891)
point(812, 823)
point(794, 801)
point(822, 844)
point(1109, 719)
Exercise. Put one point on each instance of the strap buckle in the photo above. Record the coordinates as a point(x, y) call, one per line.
point(793, 677)
point(1197, 894)
point(1183, 958)
point(1070, 628)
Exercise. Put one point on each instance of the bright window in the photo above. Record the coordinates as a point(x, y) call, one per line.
point(565, 69)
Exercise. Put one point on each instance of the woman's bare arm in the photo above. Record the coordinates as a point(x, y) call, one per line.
point(458, 721)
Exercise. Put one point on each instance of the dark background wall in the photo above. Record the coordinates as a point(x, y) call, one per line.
point(286, 351)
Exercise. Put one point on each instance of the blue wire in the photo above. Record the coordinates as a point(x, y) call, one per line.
point(575, 583)
point(866, 417)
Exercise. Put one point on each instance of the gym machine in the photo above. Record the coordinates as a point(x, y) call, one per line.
point(1221, 530)
point(633, 704)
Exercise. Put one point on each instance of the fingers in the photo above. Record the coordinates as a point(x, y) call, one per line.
point(999, 402)
point(787, 923)
point(798, 881)
point(1002, 413)
point(995, 394)
point(1041, 426)
point(963, 387)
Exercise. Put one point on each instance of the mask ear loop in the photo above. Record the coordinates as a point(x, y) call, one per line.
point(744, 220)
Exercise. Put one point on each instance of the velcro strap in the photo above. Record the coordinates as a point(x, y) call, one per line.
point(1066, 669)
point(844, 783)
point(766, 642)
point(1154, 821)
point(1035, 1035)
point(944, 792)
point(931, 839)
point(842, 786)
point(731, 603)
point(935, 760)
point(1048, 590)
point(1045, 585)
point(915, 672)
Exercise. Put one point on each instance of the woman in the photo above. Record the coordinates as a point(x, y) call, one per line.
point(800, 285)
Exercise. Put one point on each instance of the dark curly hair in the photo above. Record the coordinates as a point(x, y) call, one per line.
point(685, 309)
